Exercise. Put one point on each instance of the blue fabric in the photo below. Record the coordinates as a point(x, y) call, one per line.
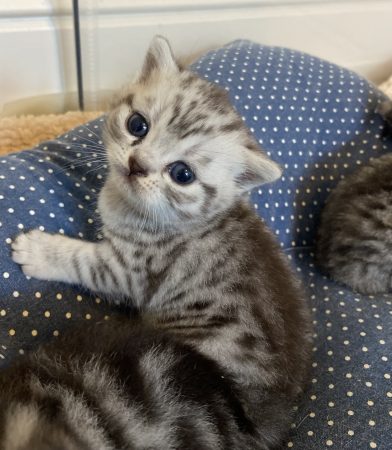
point(348, 404)
point(318, 121)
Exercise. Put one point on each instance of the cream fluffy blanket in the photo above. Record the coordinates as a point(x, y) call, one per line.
point(17, 133)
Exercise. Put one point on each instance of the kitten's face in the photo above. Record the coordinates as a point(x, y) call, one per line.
point(178, 150)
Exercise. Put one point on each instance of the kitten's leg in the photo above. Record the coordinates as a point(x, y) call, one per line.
point(97, 266)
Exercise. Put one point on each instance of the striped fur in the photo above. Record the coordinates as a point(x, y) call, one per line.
point(221, 343)
point(355, 236)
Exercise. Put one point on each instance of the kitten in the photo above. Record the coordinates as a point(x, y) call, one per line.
point(220, 345)
point(355, 236)
point(385, 110)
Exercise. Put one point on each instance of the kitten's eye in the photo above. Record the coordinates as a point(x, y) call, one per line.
point(137, 125)
point(181, 173)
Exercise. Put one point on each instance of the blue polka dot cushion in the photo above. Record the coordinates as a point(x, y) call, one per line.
point(319, 122)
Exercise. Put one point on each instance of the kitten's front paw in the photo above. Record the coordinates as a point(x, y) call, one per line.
point(32, 251)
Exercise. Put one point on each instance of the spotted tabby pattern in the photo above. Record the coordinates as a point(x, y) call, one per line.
point(219, 346)
point(355, 236)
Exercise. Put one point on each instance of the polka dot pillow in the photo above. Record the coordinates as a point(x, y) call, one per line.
point(319, 122)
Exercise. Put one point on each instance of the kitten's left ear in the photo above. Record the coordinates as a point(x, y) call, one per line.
point(257, 169)
point(159, 57)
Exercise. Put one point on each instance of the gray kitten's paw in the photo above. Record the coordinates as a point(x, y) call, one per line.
point(32, 251)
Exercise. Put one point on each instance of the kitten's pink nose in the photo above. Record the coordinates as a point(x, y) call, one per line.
point(135, 168)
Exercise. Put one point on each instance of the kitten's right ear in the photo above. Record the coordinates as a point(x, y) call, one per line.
point(159, 57)
point(257, 169)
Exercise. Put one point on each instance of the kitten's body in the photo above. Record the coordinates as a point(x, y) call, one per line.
point(355, 235)
point(221, 344)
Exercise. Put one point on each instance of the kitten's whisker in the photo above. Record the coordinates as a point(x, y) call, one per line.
point(81, 161)
point(72, 165)
point(91, 131)
point(142, 222)
point(158, 224)
point(205, 153)
point(140, 206)
point(90, 157)
point(162, 216)
point(88, 139)
point(72, 144)
point(81, 145)
point(93, 165)
point(88, 149)
point(91, 154)
point(96, 169)
point(146, 216)
point(155, 220)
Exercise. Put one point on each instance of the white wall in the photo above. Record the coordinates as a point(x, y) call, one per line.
point(37, 69)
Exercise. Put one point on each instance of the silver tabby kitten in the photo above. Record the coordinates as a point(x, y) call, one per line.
point(220, 345)
point(355, 236)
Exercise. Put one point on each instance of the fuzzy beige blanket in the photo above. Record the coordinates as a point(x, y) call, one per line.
point(17, 133)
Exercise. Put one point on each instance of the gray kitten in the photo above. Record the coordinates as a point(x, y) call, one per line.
point(220, 345)
point(355, 236)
